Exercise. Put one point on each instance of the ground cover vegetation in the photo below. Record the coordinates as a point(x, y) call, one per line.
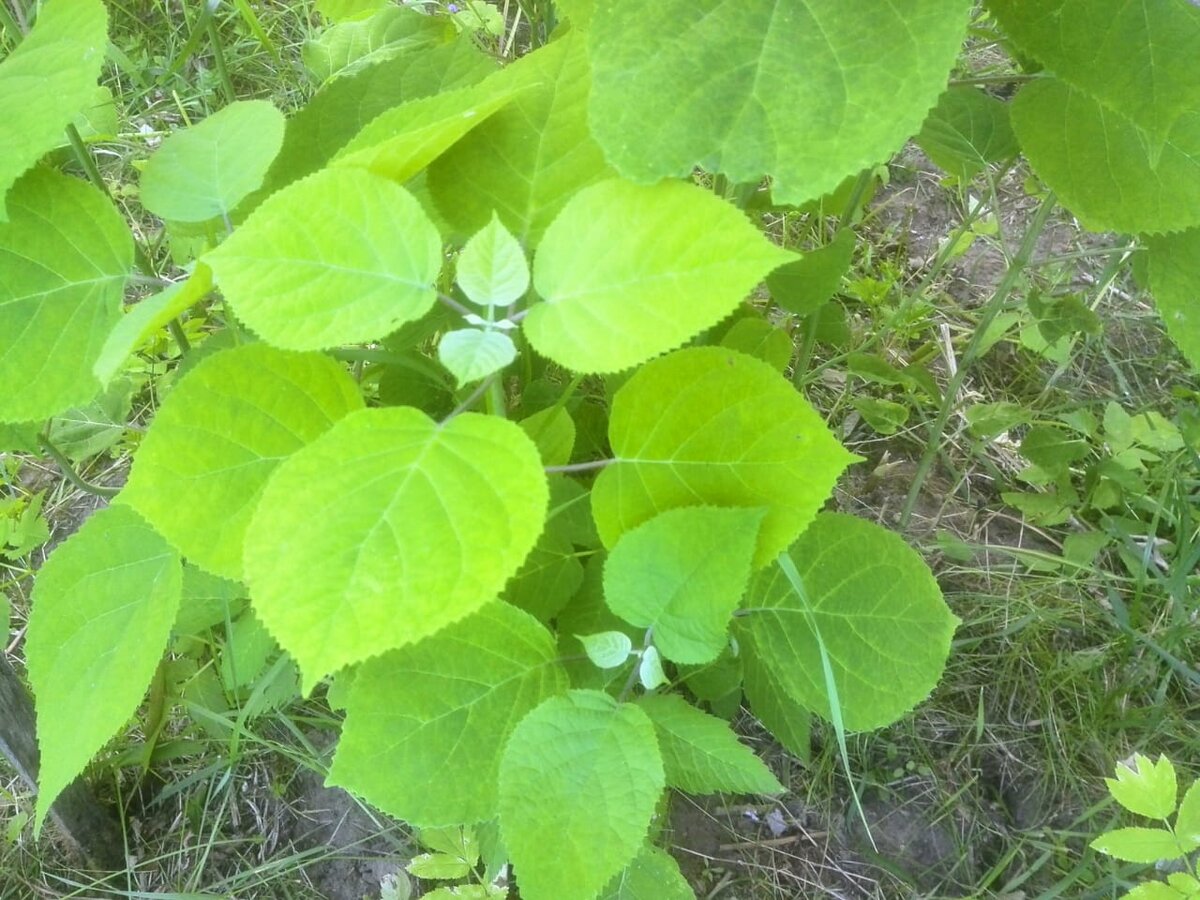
point(582, 430)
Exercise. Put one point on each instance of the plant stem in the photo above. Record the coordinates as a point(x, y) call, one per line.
point(496, 402)
point(950, 397)
point(181, 339)
point(214, 38)
point(580, 467)
point(483, 387)
point(1016, 78)
point(69, 472)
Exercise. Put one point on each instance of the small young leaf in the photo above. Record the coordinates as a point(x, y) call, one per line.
point(1156, 890)
point(653, 875)
point(416, 526)
point(1147, 788)
point(103, 606)
point(1140, 845)
point(204, 171)
point(1187, 823)
point(439, 712)
point(683, 574)
point(359, 43)
point(339, 257)
point(701, 754)
point(580, 779)
point(644, 295)
point(879, 613)
point(473, 353)
point(608, 649)
point(967, 130)
point(759, 338)
point(492, 269)
point(650, 670)
point(804, 286)
point(670, 431)
point(438, 866)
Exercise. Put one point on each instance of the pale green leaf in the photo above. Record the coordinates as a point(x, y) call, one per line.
point(1111, 174)
point(553, 430)
point(342, 256)
point(578, 11)
point(757, 337)
point(1139, 845)
point(391, 32)
point(343, 10)
point(64, 255)
point(207, 600)
point(416, 525)
point(804, 286)
point(438, 866)
point(1155, 890)
point(402, 141)
point(45, 82)
point(676, 260)
point(474, 353)
point(530, 158)
point(218, 437)
point(454, 840)
point(439, 712)
point(701, 754)
point(103, 606)
point(344, 106)
point(807, 91)
point(587, 613)
point(1148, 788)
point(581, 774)
point(876, 607)
point(966, 131)
point(492, 269)
point(1137, 58)
point(1187, 885)
point(653, 875)
point(88, 430)
point(683, 574)
point(780, 714)
point(1174, 275)
point(1187, 823)
point(608, 649)
point(203, 172)
point(650, 670)
point(146, 317)
point(670, 431)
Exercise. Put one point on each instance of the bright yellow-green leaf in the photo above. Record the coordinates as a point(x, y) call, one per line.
point(676, 260)
point(1139, 845)
point(439, 712)
point(579, 781)
point(653, 875)
point(64, 257)
point(1148, 787)
point(46, 81)
point(202, 172)
point(218, 437)
point(103, 606)
point(474, 353)
point(342, 256)
point(415, 525)
point(707, 425)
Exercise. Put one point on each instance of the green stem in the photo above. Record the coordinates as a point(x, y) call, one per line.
point(181, 339)
point(1016, 78)
point(496, 404)
point(591, 466)
point(950, 398)
point(214, 38)
point(69, 472)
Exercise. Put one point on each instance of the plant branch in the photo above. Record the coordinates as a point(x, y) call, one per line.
point(69, 472)
point(472, 398)
point(580, 467)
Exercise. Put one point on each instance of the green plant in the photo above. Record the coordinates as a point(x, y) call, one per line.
point(506, 600)
point(1150, 788)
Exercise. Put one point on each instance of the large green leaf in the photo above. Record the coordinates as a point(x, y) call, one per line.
point(340, 257)
point(344, 106)
point(414, 524)
point(780, 714)
point(873, 603)
point(64, 256)
point(804, 286)
point(45, 82)
point(1136, 57)
point(530, 158)
point(807, 91)
point(671, 430)
point(404, 140)
point(391, 32)
point(701, 754)
point(653, 875)
point(579, 781)
point(103, 606)
point(676, 260)
point(204, 171)
point(439, 712)
point(1175, 281)
point(683, 574)
point(218, 437)
point(549, 578)
point(1113, 175)
point(967, 130)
